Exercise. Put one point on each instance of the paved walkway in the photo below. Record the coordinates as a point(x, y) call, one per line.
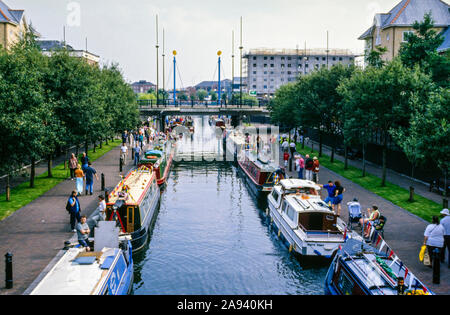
point(403, 230)
point(36, 232)
point(421, 188)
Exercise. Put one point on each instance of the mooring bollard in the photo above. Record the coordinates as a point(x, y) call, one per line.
point(103, 181)
point(436, 266)
point(120, 165)
point(106, 196)
point(66, 245)
point(411, 194)
point(8, 271)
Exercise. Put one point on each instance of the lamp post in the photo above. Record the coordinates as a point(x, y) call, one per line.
point(174, 78)
point(219, 53)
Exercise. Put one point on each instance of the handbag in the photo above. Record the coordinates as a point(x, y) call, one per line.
point(426, 259)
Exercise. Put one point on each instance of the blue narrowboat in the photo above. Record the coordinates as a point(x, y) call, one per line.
point(362, 269)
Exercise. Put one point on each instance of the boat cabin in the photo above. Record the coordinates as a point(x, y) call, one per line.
point(128, 202)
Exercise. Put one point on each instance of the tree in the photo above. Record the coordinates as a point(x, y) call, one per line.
point(374, 57)
point(420, 49)
point(201, 94)
point(284, 107)
point(379, 99)
point(213, 95)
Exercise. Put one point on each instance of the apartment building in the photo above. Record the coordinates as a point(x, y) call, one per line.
point(268, 69)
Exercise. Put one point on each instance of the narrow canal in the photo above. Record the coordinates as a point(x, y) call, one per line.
point(211, 237)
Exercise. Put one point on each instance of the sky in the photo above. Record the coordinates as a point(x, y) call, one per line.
point(124, 32)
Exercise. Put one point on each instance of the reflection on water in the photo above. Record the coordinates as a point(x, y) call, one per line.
point(210, 237)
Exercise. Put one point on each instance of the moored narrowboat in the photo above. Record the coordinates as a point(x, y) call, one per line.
point(304, 222)
point(108, 270)
point(133, 203)
point(364, 269)
point(260, 175)
point(160, 159)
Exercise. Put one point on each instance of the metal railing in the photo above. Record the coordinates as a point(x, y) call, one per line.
point(215, 104)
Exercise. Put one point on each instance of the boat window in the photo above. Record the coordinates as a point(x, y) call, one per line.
point(344, 284)
point(283, 208)
point(291, 214)
point(302, 190)
point(275, 195)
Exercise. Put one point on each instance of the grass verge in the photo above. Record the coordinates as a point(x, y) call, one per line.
point(23, 194)
point(422, 207)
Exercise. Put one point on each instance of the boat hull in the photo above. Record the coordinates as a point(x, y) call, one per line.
point(258, 191)
point(323, 249)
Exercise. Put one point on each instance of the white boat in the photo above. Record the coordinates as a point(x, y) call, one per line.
point(108, 270)
point(301, 219)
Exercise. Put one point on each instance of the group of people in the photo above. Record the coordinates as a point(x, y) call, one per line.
point(307, 168)
point(81, 171)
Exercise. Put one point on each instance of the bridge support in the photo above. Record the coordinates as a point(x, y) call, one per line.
point(236, 120)
point(162, 121)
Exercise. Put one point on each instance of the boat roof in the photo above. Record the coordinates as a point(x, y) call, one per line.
point(137, 181)
point(268, 166)
point(365, 262)
point(154, 152)
point(309, 203)
point(293, 183)
point(74, 274)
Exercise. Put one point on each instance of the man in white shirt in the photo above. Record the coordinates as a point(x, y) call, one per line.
point(445, 222)
point(124, 153)
point(434, 237)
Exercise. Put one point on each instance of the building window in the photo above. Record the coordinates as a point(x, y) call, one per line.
point(334, 58)
point(265, 72)
point(289, 65)
point(254, 86)
point(282, 65)
point(254, 72)
point(265, 58)
point(340, 58)
point(265, 86)
point(324, 58)
point(289, 58)
point(282, 58)
point(289, 72)
point(265, 65)
point(272, 58)
point(254, 65)
point(272, 65)
point(404, 35)
point(387, 37)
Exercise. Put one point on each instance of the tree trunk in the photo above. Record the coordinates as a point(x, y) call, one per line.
point(95, 146)
point(106, 140)
point(320, 143)
point(333, 148)
point(8, 188)
point(101, 143)
point(32, 172)
point(346, 157)
point(49, 166)
point(364, 160)
point(303, 141)
point(383, 175)
point(86, 147)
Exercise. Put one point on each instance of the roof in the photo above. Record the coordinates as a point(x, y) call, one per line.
point(137, 181)
point(293, 183)
point(446, 44)
point(298, 52)
point(8, 15)
point(310, 204)
point(406, 12)
point(143, 82)
point(48, 45)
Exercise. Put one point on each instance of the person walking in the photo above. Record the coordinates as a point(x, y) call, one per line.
point(79, 175)
point(338, 197)
point(316, 170)
point(445, 222)
point(124, 136)
point(89, 173)
point(434, 237)
point(74, 210)
point(331, 188)
point(300, 163)
point(309, 166)
point(124, 153)
point(141, 140)
point(84, 161)
point(73, 164)
point(137, 153)
point(286, 158)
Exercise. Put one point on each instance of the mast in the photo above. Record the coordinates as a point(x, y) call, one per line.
point(240, 83)
point(157, 62)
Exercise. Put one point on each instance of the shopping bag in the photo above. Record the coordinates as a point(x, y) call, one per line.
point(426, 259)
point(422, 252)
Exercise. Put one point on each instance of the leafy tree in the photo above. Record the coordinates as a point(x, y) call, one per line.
point(379, 99)
point(374, 57)
point(421, 47)
point(284, 107)
point(201, 94)
point(213, 95)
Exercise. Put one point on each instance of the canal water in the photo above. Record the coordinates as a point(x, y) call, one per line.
point(212, 237)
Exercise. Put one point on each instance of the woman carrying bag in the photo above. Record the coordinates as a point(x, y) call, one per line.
point(434, 238)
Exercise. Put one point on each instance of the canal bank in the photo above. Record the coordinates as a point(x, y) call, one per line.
point(403, 230)
point(35, 233)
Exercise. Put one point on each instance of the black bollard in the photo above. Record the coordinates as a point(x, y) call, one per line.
point(8, 271)
point(120, 165)
point(106, 196)
point(290, 164)
point(411, 194)
point(66, 245)
point(103, 181)
point(436, 266)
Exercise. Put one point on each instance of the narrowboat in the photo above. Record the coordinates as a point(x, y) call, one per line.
point(363, 269)
point(108, 270)
point(133, 204)
point(160, 158)
point(261, 175)
point(303, 221)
